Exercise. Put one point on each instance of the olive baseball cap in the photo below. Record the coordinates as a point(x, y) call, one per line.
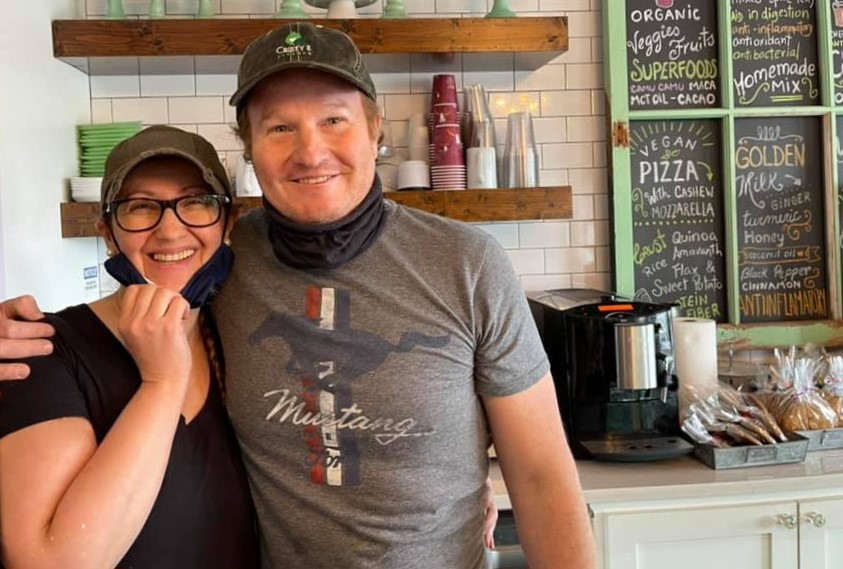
point(302, 45)
point(162, 140)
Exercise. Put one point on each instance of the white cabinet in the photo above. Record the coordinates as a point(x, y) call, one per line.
point(787, 534)
point(680, 514)
point(732, 537)
point(821, 534)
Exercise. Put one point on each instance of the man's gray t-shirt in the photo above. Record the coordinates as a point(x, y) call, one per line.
point(354, 391)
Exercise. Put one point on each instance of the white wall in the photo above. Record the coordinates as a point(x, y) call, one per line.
point(41, 99)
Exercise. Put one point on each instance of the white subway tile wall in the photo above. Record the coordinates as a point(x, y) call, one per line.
point(537, 235)
point(528, 261)
point(101, 111)
point(237, 7)
point(564, 95)
point(151, 110)
point(549, 129)
point(216, 75)
point(196, 109)
point(167, 77)
point(559, 260)
point(115, 77)
point(583, 207)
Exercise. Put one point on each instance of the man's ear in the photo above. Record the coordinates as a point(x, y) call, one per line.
point(376, 131)
point(105, 232)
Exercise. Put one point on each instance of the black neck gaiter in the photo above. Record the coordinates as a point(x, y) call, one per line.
point(198, 291)
point(330, 245)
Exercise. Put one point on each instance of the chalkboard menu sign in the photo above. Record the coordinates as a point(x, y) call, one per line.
point(780, 219)
point(672, 54)
point(837, 49)
point(774, 52)
point(678, 215)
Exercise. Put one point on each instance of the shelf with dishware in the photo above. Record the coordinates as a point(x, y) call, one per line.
point(512, 204)
point(77, 41)
point(537, 39)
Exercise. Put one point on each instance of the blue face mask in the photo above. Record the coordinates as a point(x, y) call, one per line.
point(198, 289)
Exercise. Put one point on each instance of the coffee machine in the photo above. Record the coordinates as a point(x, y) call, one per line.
point(612, 364)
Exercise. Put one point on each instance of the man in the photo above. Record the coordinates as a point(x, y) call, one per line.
point(371, 349)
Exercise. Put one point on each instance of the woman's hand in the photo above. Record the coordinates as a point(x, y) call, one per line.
point(153, 324)
point(491, 511)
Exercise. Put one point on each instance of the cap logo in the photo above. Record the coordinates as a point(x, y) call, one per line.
point(294, 38)
point(294, 45)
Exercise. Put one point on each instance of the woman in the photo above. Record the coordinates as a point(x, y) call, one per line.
point(117, 451)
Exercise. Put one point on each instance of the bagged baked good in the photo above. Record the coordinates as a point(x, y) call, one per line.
point(804, 409)
point(757, 409)
point(724, 416)
point(807, 411)
point(694, 428)
point(737, 433)
point(832, 388)
point(797, 404)
point(733, 408)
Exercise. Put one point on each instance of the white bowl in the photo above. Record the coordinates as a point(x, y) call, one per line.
point(87, 195)
point(85, 183)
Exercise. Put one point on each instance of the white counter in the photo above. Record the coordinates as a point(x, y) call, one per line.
point(687, 477)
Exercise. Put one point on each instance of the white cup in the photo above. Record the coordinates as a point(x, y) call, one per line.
point(245, 182)
point(520, 163)
point(481, 167)
point(419, 143)
point(413, 175)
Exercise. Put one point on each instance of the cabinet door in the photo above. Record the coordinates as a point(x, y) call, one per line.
point(820, 534)
point(754, 536)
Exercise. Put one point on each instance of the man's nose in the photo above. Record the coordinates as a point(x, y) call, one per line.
point(311, 147)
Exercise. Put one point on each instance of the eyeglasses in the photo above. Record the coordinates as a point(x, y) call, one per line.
point(143, 214)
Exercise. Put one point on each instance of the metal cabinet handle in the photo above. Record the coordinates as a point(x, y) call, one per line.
point(814, 518)
point(787, 520)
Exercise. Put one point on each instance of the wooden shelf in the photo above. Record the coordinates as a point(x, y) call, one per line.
point(514, 204)
point(230, 36)
point(79, 41)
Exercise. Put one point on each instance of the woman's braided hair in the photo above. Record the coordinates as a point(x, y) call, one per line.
point(211, 339)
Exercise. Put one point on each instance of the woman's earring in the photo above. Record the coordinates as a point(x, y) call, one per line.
point(110, 253)
point(227, 241)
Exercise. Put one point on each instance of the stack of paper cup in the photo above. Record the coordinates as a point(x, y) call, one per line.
point(481, 161)
point(479, 124)
point(481, 166)
point(695, 346)
point(447, 158)
point(520, 164)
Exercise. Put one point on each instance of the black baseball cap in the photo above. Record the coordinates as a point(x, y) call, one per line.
point(162, 140)
point(302, 45)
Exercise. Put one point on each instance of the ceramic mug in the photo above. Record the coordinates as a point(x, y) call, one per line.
point(413, 175)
